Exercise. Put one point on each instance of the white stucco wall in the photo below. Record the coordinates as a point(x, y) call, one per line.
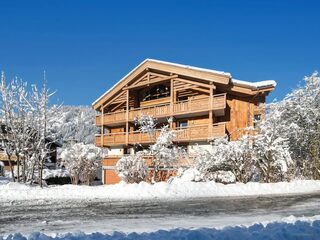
point(115, 151)
point(192, 147)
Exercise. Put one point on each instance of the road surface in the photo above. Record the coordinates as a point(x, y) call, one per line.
point(103, 216)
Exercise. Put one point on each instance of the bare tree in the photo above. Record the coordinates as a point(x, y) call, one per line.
point(24, 117)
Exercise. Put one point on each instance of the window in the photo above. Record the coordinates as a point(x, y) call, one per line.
point(256, 120)
point(183, 124)
point(106, 130)
point(156, 92)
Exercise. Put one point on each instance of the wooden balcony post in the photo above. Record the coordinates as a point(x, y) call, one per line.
point(127, 118)
point(171, 99)
point(102, 125)
point(211, 109)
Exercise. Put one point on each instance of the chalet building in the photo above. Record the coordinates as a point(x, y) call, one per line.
point(203, 104)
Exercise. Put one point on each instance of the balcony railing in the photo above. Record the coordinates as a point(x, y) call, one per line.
point(164, 110)
point(185, 134)
point(111, 160)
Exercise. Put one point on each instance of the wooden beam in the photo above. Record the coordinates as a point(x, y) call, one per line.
point(102, 126)
point(127, 119)
point(171, 99)
point(188, 86)
point(194, 82)
point(210, 109)
point(151, 82)
point(159, 75)
point(202, 90)
point(114, 100)
point(114, 108)
point(145, 76)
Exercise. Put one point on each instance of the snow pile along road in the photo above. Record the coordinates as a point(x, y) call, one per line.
point(275, 230)
point(144, 191)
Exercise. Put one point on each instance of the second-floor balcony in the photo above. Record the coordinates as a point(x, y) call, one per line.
point(185, 134)
point(218, 106)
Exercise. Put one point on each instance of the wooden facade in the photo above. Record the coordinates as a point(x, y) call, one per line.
point(203, 104)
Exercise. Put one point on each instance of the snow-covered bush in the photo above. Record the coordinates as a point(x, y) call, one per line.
point(209, 162)
point(81, 161)
point(241, 159)
point(132, 168)
point(264, 154)
point(192, 174)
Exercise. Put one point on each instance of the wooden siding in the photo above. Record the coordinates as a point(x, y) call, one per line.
point(111, 177)
point(239, 115)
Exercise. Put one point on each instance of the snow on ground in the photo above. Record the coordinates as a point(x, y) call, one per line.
point(178, 189)
point(287, 229)
point(4, 180)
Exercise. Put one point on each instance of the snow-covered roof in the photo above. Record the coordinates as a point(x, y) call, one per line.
point(190, 67)
point(254, 85)
point(163, 62)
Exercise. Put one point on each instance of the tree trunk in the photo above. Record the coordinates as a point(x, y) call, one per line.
point(24, 170)
point(18, 167)
point(41, 173)
point(11, 167)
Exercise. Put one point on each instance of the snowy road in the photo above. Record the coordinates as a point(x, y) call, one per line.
point(97, 215)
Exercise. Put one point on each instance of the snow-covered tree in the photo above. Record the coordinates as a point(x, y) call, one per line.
point(163, 152)
point(13, 115)
point(24, 119)
point(147, 124)
point(81, 161)
point(241, 159)
point(298, 120)
point(271, 151)
point(73, 124)
point(303, 110)
point(132, 168)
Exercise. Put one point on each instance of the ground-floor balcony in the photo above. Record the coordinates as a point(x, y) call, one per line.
point(185, 134)
point(186, 107)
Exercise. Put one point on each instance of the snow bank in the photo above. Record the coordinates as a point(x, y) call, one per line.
point(178, 189)
point(275, 230)
point(52, 173)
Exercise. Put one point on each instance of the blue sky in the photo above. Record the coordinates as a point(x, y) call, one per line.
point(87, 46)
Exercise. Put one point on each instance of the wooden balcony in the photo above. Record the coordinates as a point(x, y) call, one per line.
point(164, 110)
point(187, 134)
